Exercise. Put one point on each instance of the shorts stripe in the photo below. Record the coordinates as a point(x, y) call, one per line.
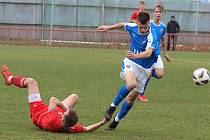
point(34, 97)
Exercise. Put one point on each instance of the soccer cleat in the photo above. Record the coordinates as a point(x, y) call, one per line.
point(113, 125)
point(142, 98)
point(6, 73)
point(109, 112)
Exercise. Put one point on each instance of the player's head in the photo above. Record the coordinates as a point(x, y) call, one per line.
point(141, 6)
point(158, 11)
point(172, 18)
point(143, 22)
point(70, 118)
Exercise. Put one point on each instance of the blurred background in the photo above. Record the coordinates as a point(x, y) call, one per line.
point(44, 17)
point(192, 15)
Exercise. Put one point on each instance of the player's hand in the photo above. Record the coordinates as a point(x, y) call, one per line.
point(130, 55)
point(103, 28)
point(168, 58)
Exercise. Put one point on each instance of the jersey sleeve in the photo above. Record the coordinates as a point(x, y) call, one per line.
point(77, 128)
point(128, 26)
point(152, 42)
point(164, 31)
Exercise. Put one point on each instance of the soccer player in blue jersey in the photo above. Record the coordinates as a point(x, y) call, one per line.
point(136, 67)
point(160, 28)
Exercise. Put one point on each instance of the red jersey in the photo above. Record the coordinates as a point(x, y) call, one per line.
point(134, 15)
point(50, 121)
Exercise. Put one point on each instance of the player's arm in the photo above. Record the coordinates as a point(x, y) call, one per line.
point(104, 28)
point(165, 55)
point(145, 54)
point(178, 28)
point(151, 45)
point(54, 102)
point(78, 128)
point(95, 126)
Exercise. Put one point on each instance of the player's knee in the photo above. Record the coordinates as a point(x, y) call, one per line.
point(160, 74)
point(52, 99)
point(131, 85)
point(75, 96)
point(31, 81)
point(130, 101)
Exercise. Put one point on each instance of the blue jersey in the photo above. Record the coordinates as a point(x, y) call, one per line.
point(160, 31)
point(141, 42)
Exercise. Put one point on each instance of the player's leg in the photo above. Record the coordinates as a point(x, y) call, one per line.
point(10, 79)
point(173, 39)
point(141, 96)
point(34, 99)
point(20, 81)
point(71, 100)
point(126, 106)
point(141, 76)
point(157, 72)
point(33, 90)
point(158, 68)
point(168, 46)
point(130, 80)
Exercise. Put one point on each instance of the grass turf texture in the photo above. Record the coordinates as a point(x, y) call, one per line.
point(177, 108)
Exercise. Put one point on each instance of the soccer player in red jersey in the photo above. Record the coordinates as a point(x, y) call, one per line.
point(134, 16)
point(58, 116)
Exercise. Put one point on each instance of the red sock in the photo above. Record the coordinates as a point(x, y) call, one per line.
point(18, 81)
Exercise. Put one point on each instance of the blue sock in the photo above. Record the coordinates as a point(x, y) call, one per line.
point(154, 74)
point(123, 111)
point(123, 92)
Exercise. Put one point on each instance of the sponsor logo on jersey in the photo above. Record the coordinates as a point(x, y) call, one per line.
point(143, 42)
point(60, 113)
point(128, 66)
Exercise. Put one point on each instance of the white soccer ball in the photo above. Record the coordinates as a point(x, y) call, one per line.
point(201, 76)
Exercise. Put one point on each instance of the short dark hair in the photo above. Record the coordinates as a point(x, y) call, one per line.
point(70, 120)
point(172, 16)
point(141, 2)
point(143, 17)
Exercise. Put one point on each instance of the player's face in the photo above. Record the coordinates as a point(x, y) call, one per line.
point(158, 13)
point(143, 28)
point(141, 7)
point(65, 114)
point(62, 119)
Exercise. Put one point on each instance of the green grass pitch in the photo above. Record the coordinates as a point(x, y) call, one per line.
point(177, 108)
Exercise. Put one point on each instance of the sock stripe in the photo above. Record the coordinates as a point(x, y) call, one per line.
point(22, 81)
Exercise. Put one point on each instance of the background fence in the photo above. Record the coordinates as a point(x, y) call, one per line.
point(193, 16)
point(73, 22)
point(88, 38)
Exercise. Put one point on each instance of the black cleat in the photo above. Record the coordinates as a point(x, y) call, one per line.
point(109, 112)
point(113, 125)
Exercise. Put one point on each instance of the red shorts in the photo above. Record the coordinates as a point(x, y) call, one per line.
point(37, 109)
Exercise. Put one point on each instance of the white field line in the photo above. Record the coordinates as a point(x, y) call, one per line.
point(82, 42)
point(190, 61)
